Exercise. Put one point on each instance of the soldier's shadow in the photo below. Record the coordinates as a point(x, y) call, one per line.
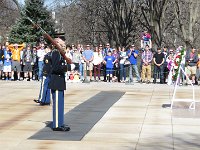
point(48, 124)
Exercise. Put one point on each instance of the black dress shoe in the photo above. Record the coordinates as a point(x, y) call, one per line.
point(37, 101)
point(62, 128)
point(42, 104)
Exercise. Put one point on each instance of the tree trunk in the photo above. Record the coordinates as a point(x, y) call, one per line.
point(187, 28)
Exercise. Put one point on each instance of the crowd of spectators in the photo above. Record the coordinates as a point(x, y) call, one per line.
point(102, 63)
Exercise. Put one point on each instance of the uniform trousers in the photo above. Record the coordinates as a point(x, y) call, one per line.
point(58, 108)
point(45, 96)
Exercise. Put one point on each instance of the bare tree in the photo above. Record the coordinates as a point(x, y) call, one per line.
point(16, 3)
point(78, 20)
point(187, 15)
point(120, 19)
point(100, 21)
point(116, 21)
point(8, 15)
point(154, 18)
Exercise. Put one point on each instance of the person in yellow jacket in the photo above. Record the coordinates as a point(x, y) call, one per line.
point(16, 66)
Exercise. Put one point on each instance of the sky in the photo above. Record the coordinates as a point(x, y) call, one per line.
point(50, 3)
point(46, 1)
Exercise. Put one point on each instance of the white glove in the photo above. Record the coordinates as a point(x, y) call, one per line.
point(72, 66)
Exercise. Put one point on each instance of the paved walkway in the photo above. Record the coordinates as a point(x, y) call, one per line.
point(135, 121)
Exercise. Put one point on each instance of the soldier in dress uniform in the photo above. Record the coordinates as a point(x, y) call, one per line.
point(45, 95)
point(57, 85)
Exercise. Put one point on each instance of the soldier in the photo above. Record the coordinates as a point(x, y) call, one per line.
point(44, 96)
point(57, 85)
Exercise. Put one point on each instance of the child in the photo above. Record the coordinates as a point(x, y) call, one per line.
point(146, 40)
point(7, 63)
point(109, 61)
point(76, 76)
point(71, 76)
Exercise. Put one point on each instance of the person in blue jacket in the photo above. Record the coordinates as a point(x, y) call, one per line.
point(109, 60)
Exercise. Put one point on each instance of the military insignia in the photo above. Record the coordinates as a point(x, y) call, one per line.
point(46, 61)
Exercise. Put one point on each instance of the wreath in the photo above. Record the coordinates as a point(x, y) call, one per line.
point(177, 61)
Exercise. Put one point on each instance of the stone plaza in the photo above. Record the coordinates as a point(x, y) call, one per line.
point(102, 116)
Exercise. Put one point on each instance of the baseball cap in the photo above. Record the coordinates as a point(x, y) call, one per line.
point(132, 45)
point(15, 44)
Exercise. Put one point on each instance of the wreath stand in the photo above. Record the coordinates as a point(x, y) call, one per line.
point(192, 100)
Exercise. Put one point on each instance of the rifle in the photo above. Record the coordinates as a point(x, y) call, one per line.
point(47, 36)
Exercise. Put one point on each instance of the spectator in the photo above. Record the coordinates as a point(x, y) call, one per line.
point(147, 57)
point(69, 55)
point(16, 66)
point(123, 57)
point(81, 69)
point(98, 58)
point(1, 61)
point(35, 66)
point(7, 63)
point(132, 55)
point(88, 57)
point(40, 54)
point(198, 72)
point(158, 59)
point(192, 59)
point(68, 52)
point(109, 60)
point(170, 66)
point(27, 60)
point(107, 49)
point(103, 67)
point(146, 40)
point(73, 47)
point(165, 69)
point(116, 66)
point(101, 49)
point(104, 52)
point(80, 48)
point(76, 58)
